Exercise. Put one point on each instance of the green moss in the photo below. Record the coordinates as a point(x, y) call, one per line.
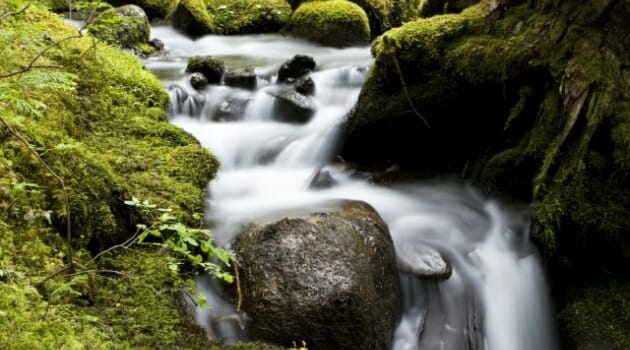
point(598, 317)
point(334, 22)
point(97, 119)
point(383, 14)
point(199, 17)
point(125, 27)
point(154, 8)
point(254, 16)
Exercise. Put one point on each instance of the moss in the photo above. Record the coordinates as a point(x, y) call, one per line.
point(254, 16)
point(126, 27)
point(193, 18)
point(598, 317)
point(199, 17)
point(97, 119)
point(334, 22)
point(383, 14)
point(159, 9)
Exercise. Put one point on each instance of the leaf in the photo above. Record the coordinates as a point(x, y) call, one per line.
point(65, 146)
point(133, 202)
point(173, 267)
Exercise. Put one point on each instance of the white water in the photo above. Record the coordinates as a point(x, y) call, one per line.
point(496, 298)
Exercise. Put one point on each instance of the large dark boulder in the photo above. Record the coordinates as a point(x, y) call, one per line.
point(328, 278)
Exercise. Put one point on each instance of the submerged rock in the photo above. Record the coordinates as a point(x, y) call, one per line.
point(423, 261)
point(322, 179)
point(327, 278)
point(232, 109)
point(297, 67)
point(334, 23)
point(243, 78)
point(291, 106)
point(210, 67)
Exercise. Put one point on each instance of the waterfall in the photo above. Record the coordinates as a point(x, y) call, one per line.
point(495, 297)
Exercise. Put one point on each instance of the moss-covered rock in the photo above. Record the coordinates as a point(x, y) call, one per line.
point(155, 9)
point(200, 17)
point(383, 14)
point(333, 23)
point(126, 27)
point(210, 67)
point(527, 102)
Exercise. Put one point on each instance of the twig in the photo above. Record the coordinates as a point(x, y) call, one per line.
point(125, 244)
point(63, 188)
point(404, 86)
point(238, 286)
point(9, 14)
point(32, 65)
point(389, 49)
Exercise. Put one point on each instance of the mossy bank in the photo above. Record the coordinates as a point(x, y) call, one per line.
point(527, 98)
point(83, 130)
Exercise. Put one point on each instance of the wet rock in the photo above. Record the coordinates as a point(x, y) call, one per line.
point(296, 67)
point(322, 179)
point(198, 81)
point(210, 67)
point(327, 278)
point(305, 86)
point(230, 110)
point(291, 106)
point(157, 44)
point(242, 78)
point(191, 17)
point(423, 261)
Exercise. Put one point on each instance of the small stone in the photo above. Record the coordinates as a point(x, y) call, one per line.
point(423, 261)
point(210, 67)
point(198, 81)
point(305, 86)
point(242, 78)
point(296, 67)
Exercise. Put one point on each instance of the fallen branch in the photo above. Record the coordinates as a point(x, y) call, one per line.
point(239, 292)
point(10, 14)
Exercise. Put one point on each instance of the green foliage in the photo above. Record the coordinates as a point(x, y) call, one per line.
point(97, 118)
point(598, 317)
point(182, 240)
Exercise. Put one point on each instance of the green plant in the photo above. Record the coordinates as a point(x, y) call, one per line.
point(190, 245)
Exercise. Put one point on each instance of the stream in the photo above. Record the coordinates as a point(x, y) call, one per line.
point(496, 297)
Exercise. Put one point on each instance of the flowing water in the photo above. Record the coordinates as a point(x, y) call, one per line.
point(496, 297)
